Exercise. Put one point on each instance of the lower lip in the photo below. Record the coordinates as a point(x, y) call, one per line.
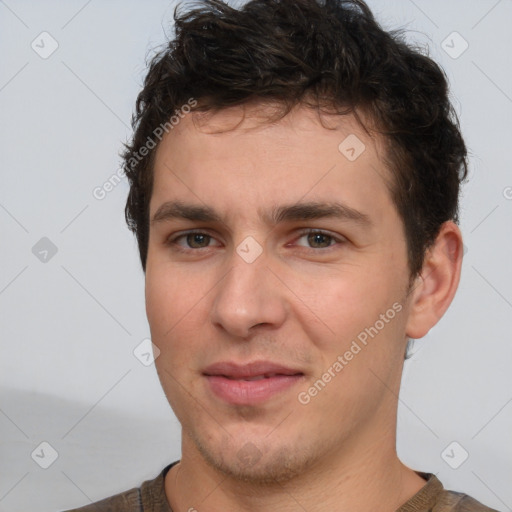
point(250, 392)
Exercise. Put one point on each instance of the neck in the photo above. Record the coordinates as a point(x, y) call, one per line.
point(363, 477)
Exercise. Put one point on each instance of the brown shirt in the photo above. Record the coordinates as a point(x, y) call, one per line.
point(150, 497)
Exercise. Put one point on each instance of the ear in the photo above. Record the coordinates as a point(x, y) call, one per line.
point(435, 287)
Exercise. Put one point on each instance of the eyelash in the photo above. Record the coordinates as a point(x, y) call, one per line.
point(172, 241)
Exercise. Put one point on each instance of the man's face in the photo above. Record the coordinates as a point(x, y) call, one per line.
point(253, 285)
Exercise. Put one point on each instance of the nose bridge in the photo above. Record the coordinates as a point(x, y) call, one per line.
point(248, 295)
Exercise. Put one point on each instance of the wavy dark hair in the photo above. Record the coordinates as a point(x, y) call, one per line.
point(328, 54)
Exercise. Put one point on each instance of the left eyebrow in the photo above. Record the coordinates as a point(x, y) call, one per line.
point(318, 210)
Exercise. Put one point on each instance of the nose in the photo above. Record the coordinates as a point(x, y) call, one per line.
point(248, 296)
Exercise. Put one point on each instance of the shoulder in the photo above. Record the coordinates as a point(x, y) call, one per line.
point(451, 501)
point(433, 497)
point(127, 501)
point(150, 496)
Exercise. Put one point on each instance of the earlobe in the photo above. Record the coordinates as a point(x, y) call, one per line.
point(434, 289)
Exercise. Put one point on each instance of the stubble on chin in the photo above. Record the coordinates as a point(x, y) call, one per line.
point(265, 465)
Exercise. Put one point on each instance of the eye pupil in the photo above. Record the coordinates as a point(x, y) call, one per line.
point(319, 238)
point(197, 240)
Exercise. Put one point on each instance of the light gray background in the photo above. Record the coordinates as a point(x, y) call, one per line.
point(69, 326)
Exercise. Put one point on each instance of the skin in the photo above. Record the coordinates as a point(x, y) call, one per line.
point(302, 302)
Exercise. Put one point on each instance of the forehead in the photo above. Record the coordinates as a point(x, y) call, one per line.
point(235, 159)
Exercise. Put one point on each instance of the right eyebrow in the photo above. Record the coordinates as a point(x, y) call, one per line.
point(180, 210)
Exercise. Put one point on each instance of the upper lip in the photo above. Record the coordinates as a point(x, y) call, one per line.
point(253, 369)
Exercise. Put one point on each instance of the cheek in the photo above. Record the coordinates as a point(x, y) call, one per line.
point(160, 301)
point(170, 294)
point(347, 300)
point(177, 307)
point(346, 307)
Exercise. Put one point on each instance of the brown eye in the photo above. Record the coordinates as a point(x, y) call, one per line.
point(198, 240)
point(316, 241)
point(319, 240)
point(191, 241)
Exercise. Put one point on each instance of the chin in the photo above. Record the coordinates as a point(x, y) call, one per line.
point(264, 464)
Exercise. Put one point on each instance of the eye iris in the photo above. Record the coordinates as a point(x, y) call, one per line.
point(197, 240)
point(319, 238)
